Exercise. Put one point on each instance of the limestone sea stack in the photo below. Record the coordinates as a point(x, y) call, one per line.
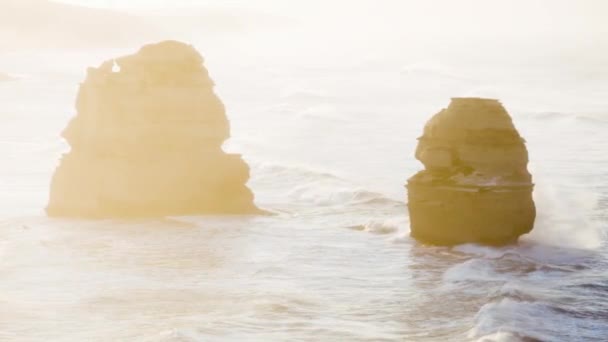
point(147, 141)
point(475, 187)
point(5, 77)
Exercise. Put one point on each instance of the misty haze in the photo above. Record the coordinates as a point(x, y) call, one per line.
point(267, 170)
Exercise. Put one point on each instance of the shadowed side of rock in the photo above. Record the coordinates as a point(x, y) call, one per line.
point(475, 187)
point(147, 141)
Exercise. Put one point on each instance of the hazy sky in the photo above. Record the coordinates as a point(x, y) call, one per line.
point(525, 27)
point(567, 17)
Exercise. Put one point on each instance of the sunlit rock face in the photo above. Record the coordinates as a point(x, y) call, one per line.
point(5, 77)
point(475, 187)
point(147, 141)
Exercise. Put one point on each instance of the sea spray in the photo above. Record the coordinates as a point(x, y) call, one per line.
point(565, 217)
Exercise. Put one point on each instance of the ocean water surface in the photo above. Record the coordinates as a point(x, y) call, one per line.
point(330, 145)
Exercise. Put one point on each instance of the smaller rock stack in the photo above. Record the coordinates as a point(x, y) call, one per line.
point(475, 187)
point(147, 141)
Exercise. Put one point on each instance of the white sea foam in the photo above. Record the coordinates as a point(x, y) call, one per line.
point(473, 270)
point(565, 217)
point(386, 226)
point(508, 318)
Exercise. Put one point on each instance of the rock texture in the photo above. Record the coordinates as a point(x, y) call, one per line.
point(475, 187)
point(5, 77)
point(147, 141)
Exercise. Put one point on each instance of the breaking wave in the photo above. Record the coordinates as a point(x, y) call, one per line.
point(316, 187)
point(319, 194)
point(565, 218)
point(511, 276)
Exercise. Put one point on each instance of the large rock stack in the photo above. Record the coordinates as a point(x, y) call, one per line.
point(5, 77)
point(475, 187)
point(147, 141)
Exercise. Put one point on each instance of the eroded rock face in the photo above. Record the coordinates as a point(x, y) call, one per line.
point(475, 187)
point(5, 77)
point(147, 141)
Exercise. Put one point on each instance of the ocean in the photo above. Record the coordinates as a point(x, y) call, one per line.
point(330, 140)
